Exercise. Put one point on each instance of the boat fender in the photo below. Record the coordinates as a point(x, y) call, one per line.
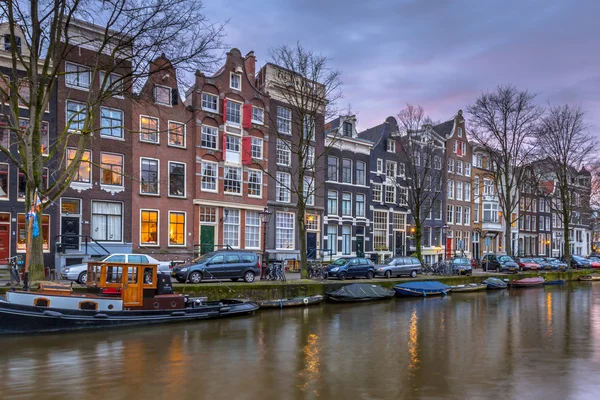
point(178, 313)
point(305, 300)
point(173, 304)
point(52, 313)
point(156, 305)
point(225, 309)
point(102, 315)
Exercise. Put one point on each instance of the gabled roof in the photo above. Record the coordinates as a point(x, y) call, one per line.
point(445, 128)
point(376, 133)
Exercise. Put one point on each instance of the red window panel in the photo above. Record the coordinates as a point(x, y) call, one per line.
point(247, 116)
point(246, 150)
point(224, 145)
point(459, 149)
point(224, 110)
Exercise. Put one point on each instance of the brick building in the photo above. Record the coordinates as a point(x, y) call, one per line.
point(163, 170)
point(230, 126)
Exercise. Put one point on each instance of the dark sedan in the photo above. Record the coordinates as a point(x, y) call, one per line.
point(461, 266)
point(351, 267)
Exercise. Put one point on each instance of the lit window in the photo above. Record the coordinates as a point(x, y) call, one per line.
point(176, 229)
point(176, 134)
point(112, 169)
point(232, 182)
point(380, 230)
point(149, 228)
point(22, 232)
point(84, 172)
point(149, 129)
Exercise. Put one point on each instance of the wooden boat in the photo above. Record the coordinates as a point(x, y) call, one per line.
point(471, 287)
point(134, 295)
point(590, 278)
point(360, 292)
point(555, 282)
point(495, 283)
point(295, 302)
point(422, 289)
point(527, 282)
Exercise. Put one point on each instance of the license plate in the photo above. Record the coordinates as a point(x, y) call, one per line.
point(173, 274)
point(511, 269)
point(462, 270)
point(534, 268)
point(548, 267)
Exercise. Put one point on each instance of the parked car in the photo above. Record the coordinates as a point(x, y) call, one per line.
point(530, 264)
point(499, 263)
point(461, 266)
point(594, 262)
point(351, 267)
point(78, 272)
point(579, 262)
point(556, 263)
point(225, 264)
point(399, 266)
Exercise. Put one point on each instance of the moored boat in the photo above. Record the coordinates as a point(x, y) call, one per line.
point(590, 278)
point(471, 287)
point(527, 282)
point(555, 282)
point(138, 296)
point(422, 289)
point(360, 292)
point(295, 302)
point(495, 283)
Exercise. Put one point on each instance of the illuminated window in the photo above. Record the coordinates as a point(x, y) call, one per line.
point(176, 229)
point(112, 169)
point(149, 129)
point(22, 232)
point(176, 134)
point(84, 173)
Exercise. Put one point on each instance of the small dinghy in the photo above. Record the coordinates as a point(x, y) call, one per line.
point(422, 289)
point(590, 278)
point(495, 283)
point(295, 302)
point(528, 282)
point(471, 287)
point(555, 282)
point(360, 292)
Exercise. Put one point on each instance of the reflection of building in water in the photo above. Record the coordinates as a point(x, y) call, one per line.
point(310, 373)
point(413, 345)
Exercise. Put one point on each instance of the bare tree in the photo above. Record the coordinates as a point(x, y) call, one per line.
point(124, 36)
point(504, 123)
point(422, 151)
point(565, 147)
point(303, 83)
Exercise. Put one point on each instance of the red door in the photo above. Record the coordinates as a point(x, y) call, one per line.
point(4, 243)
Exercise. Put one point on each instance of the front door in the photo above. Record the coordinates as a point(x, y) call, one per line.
point(132, 291)
point(207, 239)
point(70, 232)
point(360, 246)
point(311, 245)
point(4, 242)
point(399, 243)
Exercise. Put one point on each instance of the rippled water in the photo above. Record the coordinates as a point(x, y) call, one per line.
point(541, 343)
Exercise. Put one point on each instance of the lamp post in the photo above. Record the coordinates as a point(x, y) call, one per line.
point(265, 216)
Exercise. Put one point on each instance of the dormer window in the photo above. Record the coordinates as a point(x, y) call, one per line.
point(459, 132)
point(347, 129)
point(236, 82)
point(391, 146)
point(7, 43)
point(162, 95)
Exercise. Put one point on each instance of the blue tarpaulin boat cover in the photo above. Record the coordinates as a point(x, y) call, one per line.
point(426, 286)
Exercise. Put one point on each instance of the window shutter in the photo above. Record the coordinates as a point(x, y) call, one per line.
point(246, 150)
point(224, 145)
point(154, 93)
point(247, 116)
point(174, 97)
point(459, 152)
point(224, 110)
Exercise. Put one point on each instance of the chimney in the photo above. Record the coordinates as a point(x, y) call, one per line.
point(250, 66)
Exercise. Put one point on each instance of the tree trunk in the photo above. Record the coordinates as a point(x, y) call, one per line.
point(36, 254)
point(302, 236)
point(567, 253)
point(508, 234)
point(418, 236)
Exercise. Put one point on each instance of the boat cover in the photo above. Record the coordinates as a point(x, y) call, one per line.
point(495, 282)
point(426, 286)
point(362, 291)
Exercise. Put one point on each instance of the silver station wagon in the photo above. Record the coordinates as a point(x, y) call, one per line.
point(399, 266)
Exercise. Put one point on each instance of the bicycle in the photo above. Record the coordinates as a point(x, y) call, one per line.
point(276, 272)
point(317, 271)
point(15, 276)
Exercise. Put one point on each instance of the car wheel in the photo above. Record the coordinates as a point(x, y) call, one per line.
point(370, 274)
point(388, 274)
point(234, 279)
point(249, 277)
point(342, 276)
point(82, 278)
point(195, 277)
point(413, 274)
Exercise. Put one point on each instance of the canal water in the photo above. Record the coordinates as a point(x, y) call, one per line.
point(536, 343)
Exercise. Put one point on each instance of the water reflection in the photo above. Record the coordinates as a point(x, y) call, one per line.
point(310, 373)
point(413, 345)
point(549, 312)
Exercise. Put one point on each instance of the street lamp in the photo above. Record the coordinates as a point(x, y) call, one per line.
point(265, 216)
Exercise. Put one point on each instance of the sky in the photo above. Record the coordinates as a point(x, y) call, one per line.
point(440, 54)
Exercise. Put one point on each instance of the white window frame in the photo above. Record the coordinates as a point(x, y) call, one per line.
point(184, 179)
point(254, 227)
point(309, 195)
point(184, 228)
point(157, 133)
point(260, 121)
point(170, 103)
point(282, 191)
point(380, 191)
point(284, 150)
point(149, 244)
point(240, 180)
point(363, 208)
point(228, 120)
point(122, 185)
point(216, 136)
point(180, 146)
point(451, 165)
point(122, 219)
point(81, 114)
point(256, 142)
point(285, 120)
point(72, 84)
point(260, 184)
point(279, 229)
point(121, 127)
point(118, 89)
point(379, 165)
point(211, 110)
point(450, 214)
point(158, 177)
point(239, 76)
point(391, 146)
point(216, 177)
point(237, 225)
point(450, 189)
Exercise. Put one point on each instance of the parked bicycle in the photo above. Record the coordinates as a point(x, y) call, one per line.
point(316, 270)
point(276, 272)
point(15, 275)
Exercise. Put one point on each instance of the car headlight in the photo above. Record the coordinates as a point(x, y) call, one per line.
point(334, 269)
point(184, 269)
point(66, 270)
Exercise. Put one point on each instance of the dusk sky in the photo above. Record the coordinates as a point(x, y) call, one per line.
point(437, 53)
